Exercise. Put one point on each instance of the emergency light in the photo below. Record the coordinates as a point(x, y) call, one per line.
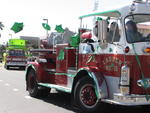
point(139, 1)
point(147, 50)
point(86, 35)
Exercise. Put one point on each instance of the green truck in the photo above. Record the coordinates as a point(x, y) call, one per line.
point(16, 54)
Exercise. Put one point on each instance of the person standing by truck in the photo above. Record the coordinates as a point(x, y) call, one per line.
point(4, 58)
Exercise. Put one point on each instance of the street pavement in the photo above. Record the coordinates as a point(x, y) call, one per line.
point(15, 99)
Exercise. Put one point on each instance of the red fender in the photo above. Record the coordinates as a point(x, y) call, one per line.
point(101, 87)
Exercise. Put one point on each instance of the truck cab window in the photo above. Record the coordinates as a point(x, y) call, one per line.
point(114, 32)
point(112, 28)
point(137, 28)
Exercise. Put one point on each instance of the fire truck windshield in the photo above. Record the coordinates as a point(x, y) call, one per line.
point(137, 28)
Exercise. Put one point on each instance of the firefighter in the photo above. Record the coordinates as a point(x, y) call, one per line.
point(95, 29)
point(132, 33)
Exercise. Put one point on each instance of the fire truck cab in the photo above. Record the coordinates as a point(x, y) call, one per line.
point(111, 63)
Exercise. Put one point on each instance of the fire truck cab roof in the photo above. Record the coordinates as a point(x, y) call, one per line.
point(137, 7)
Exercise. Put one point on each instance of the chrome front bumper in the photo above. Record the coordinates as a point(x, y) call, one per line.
point(128, 100)
point(16, 64)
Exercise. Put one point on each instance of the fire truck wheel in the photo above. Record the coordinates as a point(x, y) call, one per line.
point(44, 92)
point(85, 95)
point(33, 88)
point(7, 67)
point(22, 68)
point(32, 84)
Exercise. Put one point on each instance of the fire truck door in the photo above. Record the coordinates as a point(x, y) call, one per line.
point(61, 65)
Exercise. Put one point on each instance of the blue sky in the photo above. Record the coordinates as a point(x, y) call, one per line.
point(32, 13)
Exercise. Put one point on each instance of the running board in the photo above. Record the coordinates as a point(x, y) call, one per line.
point(58, 87)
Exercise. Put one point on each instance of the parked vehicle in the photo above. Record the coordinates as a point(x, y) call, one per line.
point(110, 65)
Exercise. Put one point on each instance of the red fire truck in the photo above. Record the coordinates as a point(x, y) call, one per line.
point(110, 65)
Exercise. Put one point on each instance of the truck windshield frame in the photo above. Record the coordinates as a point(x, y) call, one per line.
point(137, 28)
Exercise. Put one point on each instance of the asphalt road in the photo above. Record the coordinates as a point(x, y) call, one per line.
point(15, 99)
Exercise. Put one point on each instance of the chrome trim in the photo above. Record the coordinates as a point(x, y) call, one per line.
point(128, 100)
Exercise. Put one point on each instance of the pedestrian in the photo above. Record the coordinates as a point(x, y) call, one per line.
point(4, 58)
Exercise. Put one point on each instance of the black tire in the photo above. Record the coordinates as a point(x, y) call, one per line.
point(44, 91)
point(22, 67)
point(7, 67)
point(85, 95)
point(33, 88)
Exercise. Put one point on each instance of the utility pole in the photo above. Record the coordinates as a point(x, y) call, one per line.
point(96, 4)
point(10, 36)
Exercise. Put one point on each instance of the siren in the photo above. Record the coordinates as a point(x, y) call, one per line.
point(147, 50)
point(86, 35)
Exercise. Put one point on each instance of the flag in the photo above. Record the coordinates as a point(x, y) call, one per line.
point(59, 29)
point(17, 27)
point(46, 26)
